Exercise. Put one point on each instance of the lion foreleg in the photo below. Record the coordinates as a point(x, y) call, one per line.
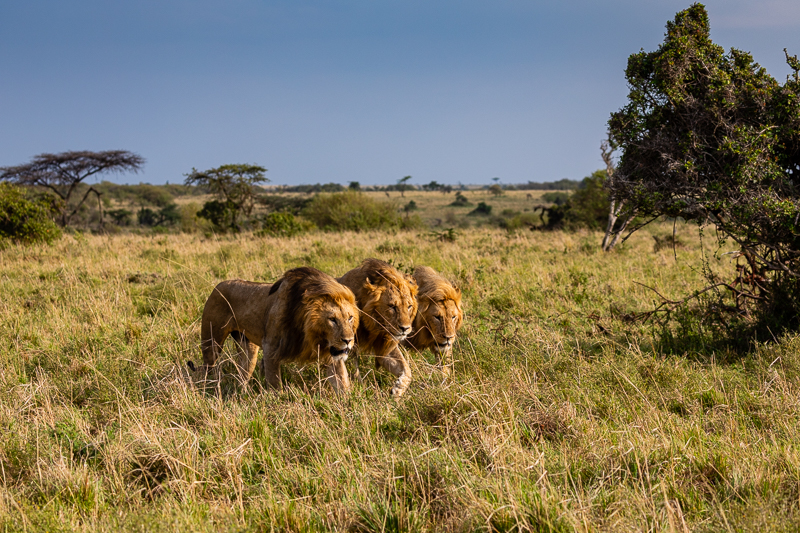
point(395, 363)
point(246, 357)
point(356, 357)
point(336, 375)
point(445, 360)
point(270, 368)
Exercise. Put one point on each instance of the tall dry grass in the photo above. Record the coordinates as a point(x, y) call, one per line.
point(562, 414)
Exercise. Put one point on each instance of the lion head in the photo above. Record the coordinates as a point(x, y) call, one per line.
point(387, 299)
point(439, 316)
point(319, 318)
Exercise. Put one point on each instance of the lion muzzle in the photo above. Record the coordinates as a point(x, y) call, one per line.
point(404, 333)
point(340, 354)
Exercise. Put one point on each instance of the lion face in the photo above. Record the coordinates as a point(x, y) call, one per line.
point(438, 321)
point(333, 325)
point(393, 309)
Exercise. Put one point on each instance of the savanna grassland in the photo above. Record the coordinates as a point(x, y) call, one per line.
point(564, 411)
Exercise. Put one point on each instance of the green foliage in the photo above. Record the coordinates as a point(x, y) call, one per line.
point(310, 189)
point(25, 220)
point(496, 189)
point(166, 216)
point(290, 204)
point(482, 209)
point(461, 201)
point(588, 206)
point(410, 206)
point(446, 235)
point(121, 217)
point(712, 138)
point(558, 198)
point(283, 224)
point(560, 185)
point(350, 210)
point(517, 221)
point(235, 187)
point(220, 214)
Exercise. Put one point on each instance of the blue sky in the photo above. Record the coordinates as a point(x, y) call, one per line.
point(320, 91)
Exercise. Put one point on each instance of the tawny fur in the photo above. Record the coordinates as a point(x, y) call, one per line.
point(438, 318)
point(388, 303)
point(304, 317)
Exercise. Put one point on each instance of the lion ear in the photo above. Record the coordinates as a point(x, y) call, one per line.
point(411, 281)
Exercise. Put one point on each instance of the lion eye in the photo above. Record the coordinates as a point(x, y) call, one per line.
point(454, 318)
point(409, 307)
point(350, 319)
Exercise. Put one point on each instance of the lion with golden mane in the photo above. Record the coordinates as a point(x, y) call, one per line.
point(438, 318)
point(305, 317)
point(388, 303)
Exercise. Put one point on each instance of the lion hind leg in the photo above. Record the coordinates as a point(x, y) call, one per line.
point(395, 363)
point(211, 340)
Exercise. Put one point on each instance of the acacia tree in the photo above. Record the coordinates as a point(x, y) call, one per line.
point(61, 173)
point(403, 186)
point(234, 185)
point(710, 137)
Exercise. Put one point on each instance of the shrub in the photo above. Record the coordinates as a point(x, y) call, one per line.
point(25, 220)
point(290, 204)
point(166, 216)
point(482, 209)
point(589, 205)
point(121, 217)
point(283, 224)
point(496, 190)
point(558, 198)
point(410, 206)
point(350, 210)
point(521, 221)
point(461, 201)
point(220, 214)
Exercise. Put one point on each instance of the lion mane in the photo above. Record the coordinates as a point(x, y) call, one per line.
point(438, 318)
point(388, 303)
point(306, 316)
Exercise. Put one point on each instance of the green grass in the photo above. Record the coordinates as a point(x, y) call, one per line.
point(561, 415)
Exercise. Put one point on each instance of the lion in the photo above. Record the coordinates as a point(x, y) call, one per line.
point(388, 303)
point(438, 318)
point(304, 317)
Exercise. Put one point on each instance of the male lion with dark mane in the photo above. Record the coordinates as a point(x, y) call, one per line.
point(304, 317)
point(387, 300)
point(438, 318)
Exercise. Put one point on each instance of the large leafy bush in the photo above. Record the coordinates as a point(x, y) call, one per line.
point(711, 137)
point(351, 210)
point(23, 219)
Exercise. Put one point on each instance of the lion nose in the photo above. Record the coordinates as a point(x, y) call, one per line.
point(348, 343)
point(449, 338)
point(405, 330)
